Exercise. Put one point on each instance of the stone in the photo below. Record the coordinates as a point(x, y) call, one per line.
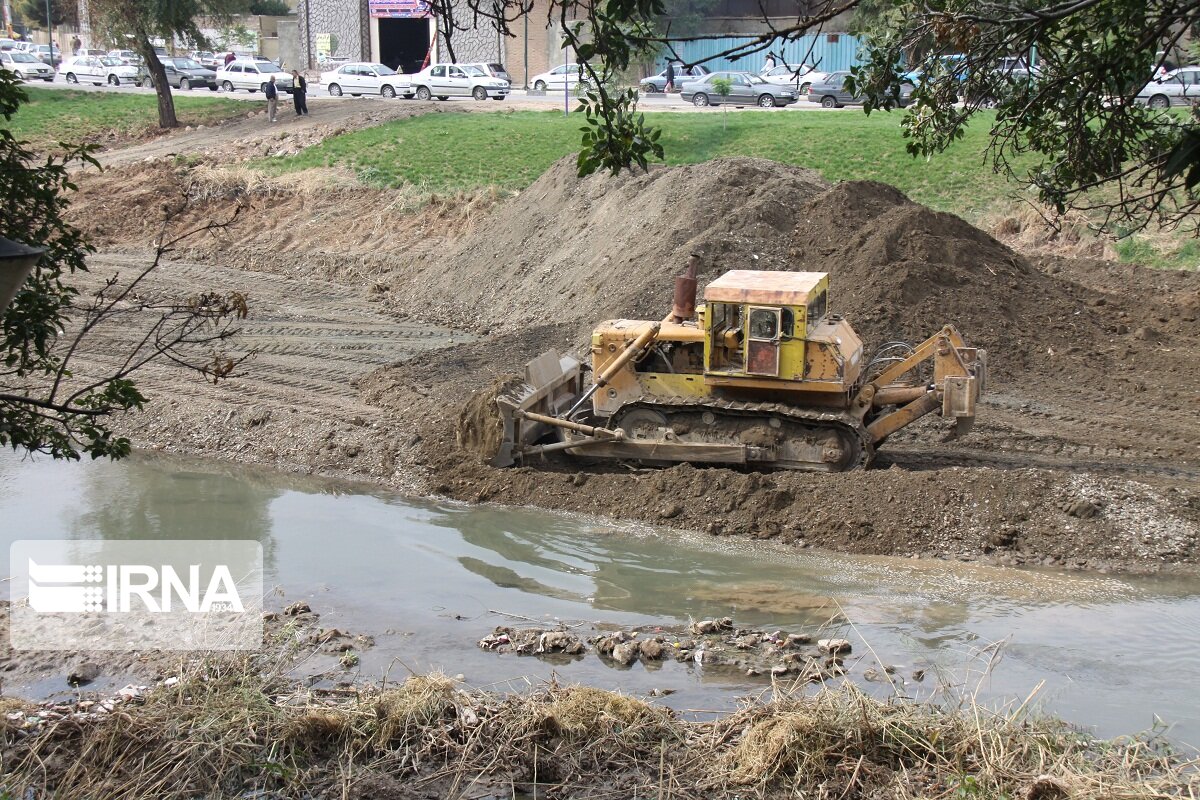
point(797, 639)
point(297, 608)
point(833, 646)
point(626, 653)
point(85, 672)
point(652, 649)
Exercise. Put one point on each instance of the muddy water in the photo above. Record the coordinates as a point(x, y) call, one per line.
point(429, 579)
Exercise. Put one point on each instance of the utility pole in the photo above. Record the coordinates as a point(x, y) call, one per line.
point(50, 33)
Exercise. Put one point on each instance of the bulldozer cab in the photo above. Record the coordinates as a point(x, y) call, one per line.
point(756, 323)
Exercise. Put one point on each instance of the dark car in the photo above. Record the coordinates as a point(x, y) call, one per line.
point(187, 73)
point(832, 92)
point(746, 89)
point(658, 83)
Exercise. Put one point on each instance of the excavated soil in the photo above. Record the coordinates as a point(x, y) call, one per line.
point(1086, 451)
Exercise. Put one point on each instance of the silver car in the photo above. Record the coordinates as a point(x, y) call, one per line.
point(252, 75)
point(25, 66)
point(832, 92)
point(658, 83)
point(1178, 87)
point(798, 76)
point(746, 89)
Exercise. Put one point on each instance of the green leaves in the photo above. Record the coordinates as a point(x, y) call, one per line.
point(615, 136)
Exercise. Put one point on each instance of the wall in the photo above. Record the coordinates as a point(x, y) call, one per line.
point(475, 44)
point(347, 20)
point(544, 46)
point(827, 51)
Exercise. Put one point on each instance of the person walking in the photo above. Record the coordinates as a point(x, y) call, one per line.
point(76, 45)
point(272, 94)
point(670, 85)
point(769, 64)
point(230, 58)
point(299, 93)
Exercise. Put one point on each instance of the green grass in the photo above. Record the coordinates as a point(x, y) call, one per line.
point(64, 115)
point(450, 152)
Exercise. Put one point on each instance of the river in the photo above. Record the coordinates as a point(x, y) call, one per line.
point(427, 579)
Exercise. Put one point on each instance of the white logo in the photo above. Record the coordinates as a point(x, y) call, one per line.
point(134, 594)
point(55, 588)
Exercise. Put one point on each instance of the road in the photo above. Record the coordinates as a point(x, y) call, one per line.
point(653, 102)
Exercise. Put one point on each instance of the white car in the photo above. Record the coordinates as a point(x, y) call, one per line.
point(91, 69)
point(1179, 87)
point(564, 76)
point(798, 76)
point(252, 75)
point(458, 80)
point(128, 56)
point(360, 77)
point(25, 66)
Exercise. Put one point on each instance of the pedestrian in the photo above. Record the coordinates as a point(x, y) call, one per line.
point(76, 45)
point(670, 85)
point(272, 94)
point(229, 58)
point(769, 64)
point(299, 92)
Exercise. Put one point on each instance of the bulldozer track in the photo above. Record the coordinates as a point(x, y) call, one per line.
point(831, 419)
point(913, 459)
point(310, 345)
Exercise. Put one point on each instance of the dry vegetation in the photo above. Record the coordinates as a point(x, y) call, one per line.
point(227, 730)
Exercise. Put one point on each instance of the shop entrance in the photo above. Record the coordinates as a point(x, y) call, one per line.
point(403, 42)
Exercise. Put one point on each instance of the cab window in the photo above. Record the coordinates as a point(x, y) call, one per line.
point(764, 323)
point(455, 72)
point(438, 72)
point(817, 308)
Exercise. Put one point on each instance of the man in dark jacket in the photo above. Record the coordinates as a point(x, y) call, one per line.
point(299, 93)
point(670, 85)
point(272, 94)
point(230, 58)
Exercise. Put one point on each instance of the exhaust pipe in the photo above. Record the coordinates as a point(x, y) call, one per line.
point(684, 305)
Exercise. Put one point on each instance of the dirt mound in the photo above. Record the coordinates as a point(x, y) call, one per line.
point(480, 430)
point(899, 270)
point(583, 250)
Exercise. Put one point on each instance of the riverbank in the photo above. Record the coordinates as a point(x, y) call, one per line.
point(234, 727)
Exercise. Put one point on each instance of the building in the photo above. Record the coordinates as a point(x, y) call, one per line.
point(404, 35)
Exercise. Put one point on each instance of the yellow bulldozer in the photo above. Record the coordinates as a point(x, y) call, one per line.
point(762, 374)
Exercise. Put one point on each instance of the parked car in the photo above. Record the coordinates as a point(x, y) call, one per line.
point(562, 76)
point(128, 56)
point(252, 75)
point(209, 59)
point(24, 47)
point(797, 76)
point(747, 89)
point(91, 51)
point(183, 73)
point(832, 92)
point(7, 44)
point(658, 83)
point(1178, 87)
point(90, 69)
point(25, 66)
point(360, 77)
point(42, 51)
point(494, 70)
point(444, 81)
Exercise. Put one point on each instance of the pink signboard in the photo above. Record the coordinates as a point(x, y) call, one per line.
point(399, 8)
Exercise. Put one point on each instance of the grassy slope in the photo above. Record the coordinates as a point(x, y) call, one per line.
point(57, 115)
point(510, 150)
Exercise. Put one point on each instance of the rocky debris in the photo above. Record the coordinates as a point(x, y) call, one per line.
point(298, 608)
point(707, 626)
point(532, 642)
point(715, 644)
point(84, 673)
point(1083, 509)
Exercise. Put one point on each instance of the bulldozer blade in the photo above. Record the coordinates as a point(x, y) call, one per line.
point(552, 384)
